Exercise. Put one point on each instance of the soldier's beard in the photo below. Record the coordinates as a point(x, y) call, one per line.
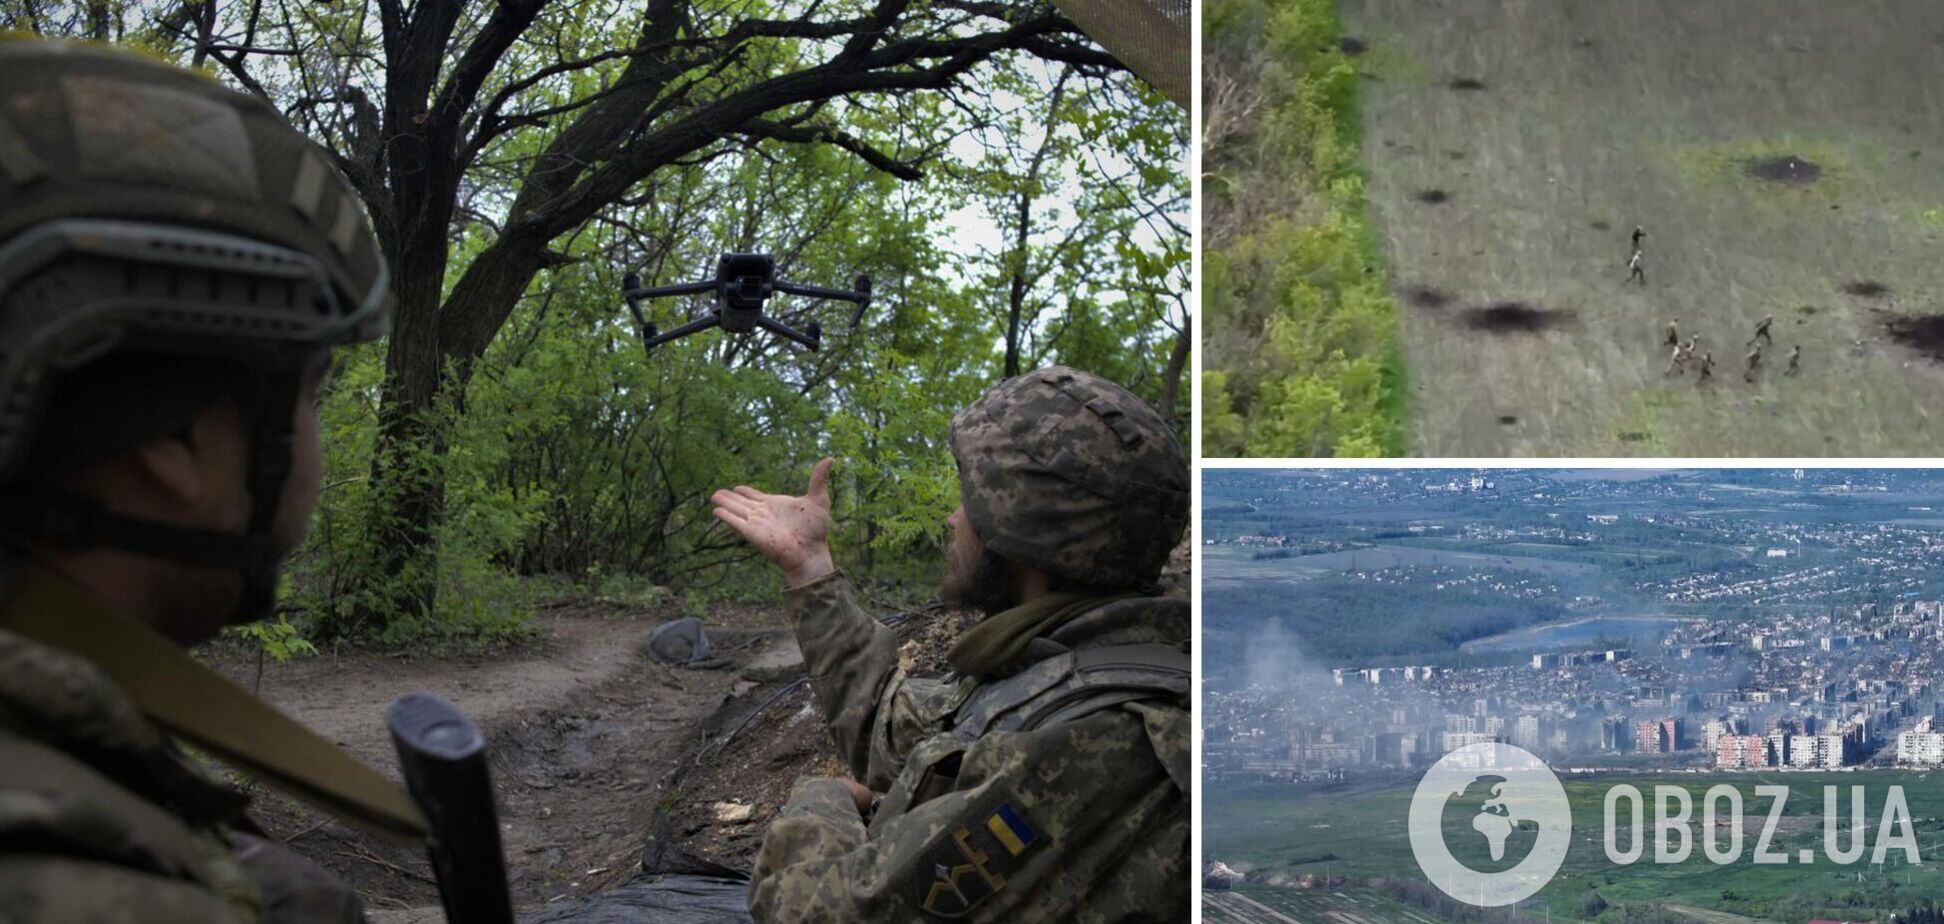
point(979, 580)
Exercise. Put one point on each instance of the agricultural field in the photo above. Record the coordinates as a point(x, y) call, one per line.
point(1358, 832)
point(1226, 564)
point(1282, 906)
point(1785, 158)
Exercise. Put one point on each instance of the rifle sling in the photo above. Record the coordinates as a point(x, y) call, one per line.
point(205, 709)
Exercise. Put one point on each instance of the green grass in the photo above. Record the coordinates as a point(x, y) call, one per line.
point(1359, 831)
point(1713, 165)
point(1643, 112)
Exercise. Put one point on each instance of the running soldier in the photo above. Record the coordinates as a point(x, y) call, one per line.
point(1707, 366)
point(1683, 354)
point(1795, 361)
point(1762, 332)
point(1754, 360)
point(1673, 337)
point(1634, 270)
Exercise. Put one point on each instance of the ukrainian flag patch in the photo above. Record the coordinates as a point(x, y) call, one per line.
point(1011, 830)
point(969, 864)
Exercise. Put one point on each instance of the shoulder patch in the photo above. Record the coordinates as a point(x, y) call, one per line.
point(968, 864)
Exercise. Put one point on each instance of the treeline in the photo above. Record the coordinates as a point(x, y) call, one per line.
point(1927, 913)
point(1300, 342)
point(1333, 617)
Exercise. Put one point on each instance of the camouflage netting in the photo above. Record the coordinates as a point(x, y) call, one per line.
point(1149, 36)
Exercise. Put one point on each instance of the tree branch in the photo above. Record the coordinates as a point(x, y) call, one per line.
point(509, 20)
point(814, 134)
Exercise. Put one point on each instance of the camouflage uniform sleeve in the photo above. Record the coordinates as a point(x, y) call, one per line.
point(295, 890)
point(94, 855)
point(1034, 823)
point(76, 847)
point(47, 889)
point(875, 711)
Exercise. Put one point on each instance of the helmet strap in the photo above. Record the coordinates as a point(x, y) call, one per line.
point(44, 513)
point(272, 442)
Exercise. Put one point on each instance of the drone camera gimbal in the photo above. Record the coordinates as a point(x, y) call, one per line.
point(743, 283)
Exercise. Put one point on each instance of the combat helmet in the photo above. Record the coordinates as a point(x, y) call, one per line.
point(147, 211)
point(1072, 474)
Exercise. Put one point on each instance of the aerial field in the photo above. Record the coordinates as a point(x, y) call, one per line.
point(1226, 564)
point(1359, 832)
point(1317, 906)
point(1785, 158)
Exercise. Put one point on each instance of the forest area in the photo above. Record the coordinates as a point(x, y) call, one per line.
point(1016, 195)
point(1302, 355)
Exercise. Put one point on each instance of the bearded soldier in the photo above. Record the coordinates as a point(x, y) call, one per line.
point(1048, 778)
point(175, 265)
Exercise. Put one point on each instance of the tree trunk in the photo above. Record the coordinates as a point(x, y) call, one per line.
point(1177, 367)
point(406, 472)
point(1022, 243)
point(408, 481)
point(1017, 301)
point(1023, 230)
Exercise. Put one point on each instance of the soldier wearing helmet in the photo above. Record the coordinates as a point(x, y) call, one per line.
point(176, 264)
point(1047, 778)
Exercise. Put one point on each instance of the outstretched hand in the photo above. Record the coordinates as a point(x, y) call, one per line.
point(793, 532)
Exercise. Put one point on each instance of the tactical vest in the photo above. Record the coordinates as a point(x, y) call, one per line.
point(1063, 688)
point(1072, 686)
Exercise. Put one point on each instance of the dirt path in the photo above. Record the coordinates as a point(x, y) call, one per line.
point(586, 733)
point(334, 695)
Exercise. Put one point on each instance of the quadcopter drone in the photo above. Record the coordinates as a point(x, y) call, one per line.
point(743, 282)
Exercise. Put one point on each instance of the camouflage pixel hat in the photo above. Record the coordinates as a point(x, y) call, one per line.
point(147, 208)
point(1070, 473)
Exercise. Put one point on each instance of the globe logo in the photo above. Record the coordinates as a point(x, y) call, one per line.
point(1519, 828)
